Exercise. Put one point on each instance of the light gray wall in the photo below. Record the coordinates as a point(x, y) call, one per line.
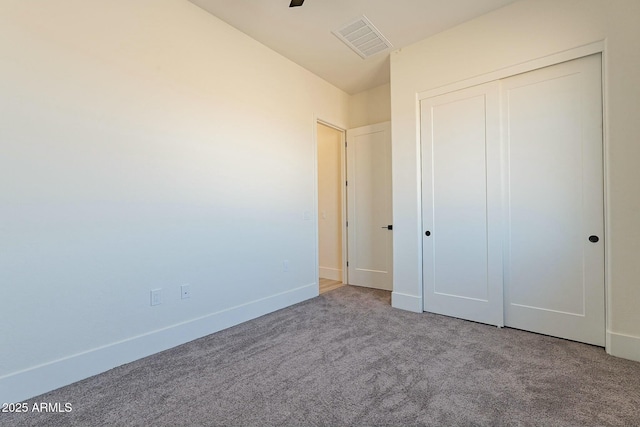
point(370, 107)
point(145, 144)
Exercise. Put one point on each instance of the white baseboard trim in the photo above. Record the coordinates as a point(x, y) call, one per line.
point(330, 273)
point(406, 302)
point(19, 386)
point(624, 346)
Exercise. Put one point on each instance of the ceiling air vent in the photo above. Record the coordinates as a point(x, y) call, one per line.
point(363, 37)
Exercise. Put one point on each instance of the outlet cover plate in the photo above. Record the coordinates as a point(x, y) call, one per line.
point(185, 291)
point(156, 296)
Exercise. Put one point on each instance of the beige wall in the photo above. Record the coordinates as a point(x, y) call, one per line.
point(370, 107)
point(525, 31)
point(145, 144)
point(330, 184)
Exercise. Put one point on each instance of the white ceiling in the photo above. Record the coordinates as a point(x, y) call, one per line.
point(303, 34)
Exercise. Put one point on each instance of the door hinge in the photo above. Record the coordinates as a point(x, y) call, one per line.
point(346, 183)
point(347, 223)
point(347, 263)
point(345, 144)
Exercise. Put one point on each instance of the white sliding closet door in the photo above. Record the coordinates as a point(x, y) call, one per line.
point(461, 204)
point(513, 202)
point(554, 279)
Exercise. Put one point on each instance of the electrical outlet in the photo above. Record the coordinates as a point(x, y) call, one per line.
point(285, 265)
point(185, 291)
point(156, 297)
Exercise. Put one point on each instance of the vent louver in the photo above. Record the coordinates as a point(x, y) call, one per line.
point(363, 37)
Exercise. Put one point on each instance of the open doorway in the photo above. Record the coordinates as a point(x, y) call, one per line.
point(331, 207)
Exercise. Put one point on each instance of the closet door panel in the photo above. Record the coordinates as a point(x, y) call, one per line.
point(460, 151)
point(553, 131)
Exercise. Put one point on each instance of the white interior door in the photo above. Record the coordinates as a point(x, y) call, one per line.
point(370, 241)
point(461, 204)
point(554, 275)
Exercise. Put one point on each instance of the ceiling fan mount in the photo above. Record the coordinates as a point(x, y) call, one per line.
point(296, 3)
